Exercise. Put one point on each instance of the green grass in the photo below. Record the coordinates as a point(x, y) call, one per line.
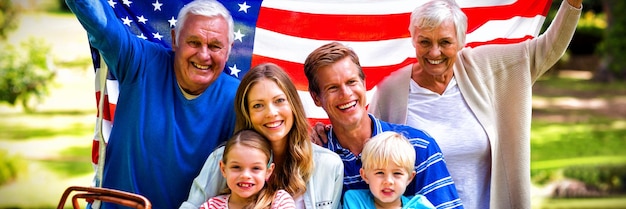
point(22, 132)
point(617, 202)
point(79, 63)
point(46, 127)
point(581, 133)
point(55, 149)
point(561, 163)
point(596, 137)
point(72, 162)
point(565, 137)
point(556, 86)
point(21, 127)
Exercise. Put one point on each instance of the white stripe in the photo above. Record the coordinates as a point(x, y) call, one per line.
point(113, 90)
point(502, 29)
point(295, 49)
point(348, 7)
point(106, 130)
point(483, 3)
point(97, 80)
point(357, 7)
point(313, 111)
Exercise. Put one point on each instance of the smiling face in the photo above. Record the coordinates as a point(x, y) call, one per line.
point(387, 184)
point(201, 52)
point(270, 111)
point(245, 171)
point(341, 93)
point(436, 49)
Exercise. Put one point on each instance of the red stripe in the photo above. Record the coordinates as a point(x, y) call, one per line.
point(293, 69)
point(313, 121)
point(108, 110)
point(375, 74)
point(296, 71)
point(500, 41)
point(111, 112)
point(478, 16)
point(334, 27)
point(95, 151)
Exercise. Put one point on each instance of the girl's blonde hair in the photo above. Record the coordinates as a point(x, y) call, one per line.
point(386, 148)
point(252, 139)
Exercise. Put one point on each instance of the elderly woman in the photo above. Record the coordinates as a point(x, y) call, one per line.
point(476, 102)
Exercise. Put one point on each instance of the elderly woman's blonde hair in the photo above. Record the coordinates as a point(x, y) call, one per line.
point(386, 148)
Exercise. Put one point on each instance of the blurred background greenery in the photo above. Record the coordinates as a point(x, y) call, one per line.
point(47, 109)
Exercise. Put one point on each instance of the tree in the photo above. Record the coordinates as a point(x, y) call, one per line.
point(8, 17)
point(612, 67)
point(25, 72)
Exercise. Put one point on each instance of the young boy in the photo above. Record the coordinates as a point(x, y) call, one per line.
point(388, 159)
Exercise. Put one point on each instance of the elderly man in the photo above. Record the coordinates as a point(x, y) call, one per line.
point(174, 106)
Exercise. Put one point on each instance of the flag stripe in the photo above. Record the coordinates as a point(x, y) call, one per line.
point(501, 41)
point(296, 49)
point(334, 27)
point(478, 16)
point(501, 29)
point(332, 7)
point(296, 71)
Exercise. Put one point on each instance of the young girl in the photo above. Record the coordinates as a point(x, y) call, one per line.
point(247, 165)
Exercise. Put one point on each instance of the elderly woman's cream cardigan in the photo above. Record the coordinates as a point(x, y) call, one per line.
point(496, 81)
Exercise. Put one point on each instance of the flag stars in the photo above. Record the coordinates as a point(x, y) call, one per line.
point(172, 22)
point(243, 7)
point(157, 5)
point(112, 3)
point(157, 35)
point(127, 2)
point(142, 36)
point(127, 21)
point(239, 36)
point(141, 19)
point(234, 71)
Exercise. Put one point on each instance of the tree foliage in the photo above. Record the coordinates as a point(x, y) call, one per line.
point(25, 72)
point(613, 45)
point(600, 31)
point(8, 16)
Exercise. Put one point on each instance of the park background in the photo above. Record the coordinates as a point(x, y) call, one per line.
point(578, 133)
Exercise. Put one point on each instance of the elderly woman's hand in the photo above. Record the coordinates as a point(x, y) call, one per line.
point(575, 3)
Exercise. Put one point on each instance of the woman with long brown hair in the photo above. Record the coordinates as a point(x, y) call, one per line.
point(268, 102)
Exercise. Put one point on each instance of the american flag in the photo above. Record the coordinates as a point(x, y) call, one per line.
point(286, 31)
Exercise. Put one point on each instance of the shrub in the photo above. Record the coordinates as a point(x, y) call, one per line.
point(608, 178)
point(10, 167)
point(25, 72)
point(8, 15)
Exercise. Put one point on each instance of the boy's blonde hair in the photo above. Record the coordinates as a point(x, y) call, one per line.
point(386, 148)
